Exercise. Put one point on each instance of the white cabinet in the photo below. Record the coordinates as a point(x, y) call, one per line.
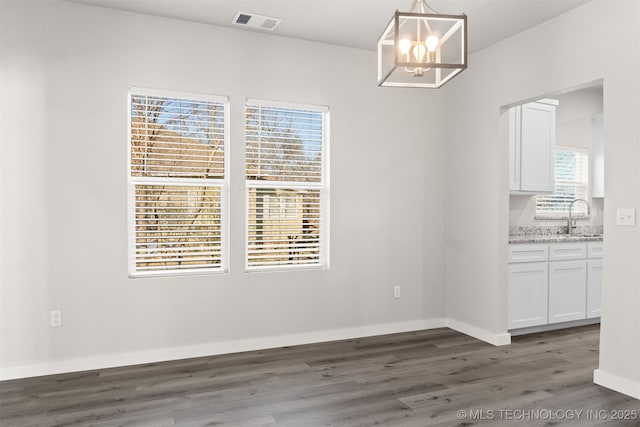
point(532, 141)
point(537, 150)
point(594, 279)
point(528, 285)
point(567, 290)
point(597, 149)
point(528, 252)
point(594, 287)
point(567, 251)
point(527, 294)
point(553, 283)
point(515, 113)
point(594, 250)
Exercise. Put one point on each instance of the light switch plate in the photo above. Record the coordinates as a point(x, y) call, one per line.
point(626, 216)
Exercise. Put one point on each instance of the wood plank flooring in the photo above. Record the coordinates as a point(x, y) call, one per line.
point(411, 379)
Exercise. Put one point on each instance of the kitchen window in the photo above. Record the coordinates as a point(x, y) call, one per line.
point(177, 180)
point(287, 185)
point(571, 182)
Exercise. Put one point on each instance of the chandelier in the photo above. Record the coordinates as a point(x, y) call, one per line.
point(422, 48)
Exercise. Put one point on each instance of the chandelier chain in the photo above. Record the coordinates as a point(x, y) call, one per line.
point(421, 6)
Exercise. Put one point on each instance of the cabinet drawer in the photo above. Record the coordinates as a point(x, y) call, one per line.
point(594, 250)
point(567, 251)
point(528, 252)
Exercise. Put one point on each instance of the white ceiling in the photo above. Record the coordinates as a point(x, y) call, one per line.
point(354, 23)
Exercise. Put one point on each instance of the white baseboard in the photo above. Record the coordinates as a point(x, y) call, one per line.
point(479, 333)
point(211, 349)
point(613, 382)
point(554, 326)
point(616, 383)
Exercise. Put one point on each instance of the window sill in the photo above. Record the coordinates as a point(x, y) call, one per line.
point(178, 273)
point(285, 267)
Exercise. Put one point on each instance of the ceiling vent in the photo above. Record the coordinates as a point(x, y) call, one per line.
point(258, 22)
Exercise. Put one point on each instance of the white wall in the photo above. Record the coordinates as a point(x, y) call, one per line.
point(573, 130)
point(66, 69)
point(599, 40)
point(65, 73)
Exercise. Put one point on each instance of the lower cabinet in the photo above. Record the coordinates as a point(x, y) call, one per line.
point(528, 285)
point(553, 283)
point(594, 287)
point(567, 291)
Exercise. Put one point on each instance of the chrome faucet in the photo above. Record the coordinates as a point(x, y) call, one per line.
point(570, 225)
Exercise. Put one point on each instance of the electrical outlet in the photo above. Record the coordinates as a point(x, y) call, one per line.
point(626, 216)
point(396, 291)
point(55, 318)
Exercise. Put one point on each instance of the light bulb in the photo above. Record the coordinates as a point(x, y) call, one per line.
point(404, 45)
point(419, 51)
point(432, 43)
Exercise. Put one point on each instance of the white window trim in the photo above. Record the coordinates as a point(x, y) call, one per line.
point(223, 184)
point(324, 188)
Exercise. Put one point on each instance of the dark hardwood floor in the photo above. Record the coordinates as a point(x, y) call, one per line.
point(411, 379)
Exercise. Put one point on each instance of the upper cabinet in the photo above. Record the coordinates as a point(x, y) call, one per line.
point(532, 142)
point(597, 125)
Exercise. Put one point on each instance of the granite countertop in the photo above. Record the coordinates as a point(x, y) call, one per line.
point(554, 234)
point(554, 238)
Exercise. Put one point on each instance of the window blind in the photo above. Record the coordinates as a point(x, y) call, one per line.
point(285, 154)
point(177, 183)
point(571, 182)
point(176, 137)
point(284, 144)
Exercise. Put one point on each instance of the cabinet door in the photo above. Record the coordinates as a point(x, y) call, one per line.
point(528, 291)
point(514, 148)
point(597, 150)
point(567, 291)
point(594, 287)
point(537, 151)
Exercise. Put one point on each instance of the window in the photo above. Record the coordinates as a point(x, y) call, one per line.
point(572, 182)
point(177, 183)
point(286, 152)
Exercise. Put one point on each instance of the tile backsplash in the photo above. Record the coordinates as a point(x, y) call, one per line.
point(522, 212)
